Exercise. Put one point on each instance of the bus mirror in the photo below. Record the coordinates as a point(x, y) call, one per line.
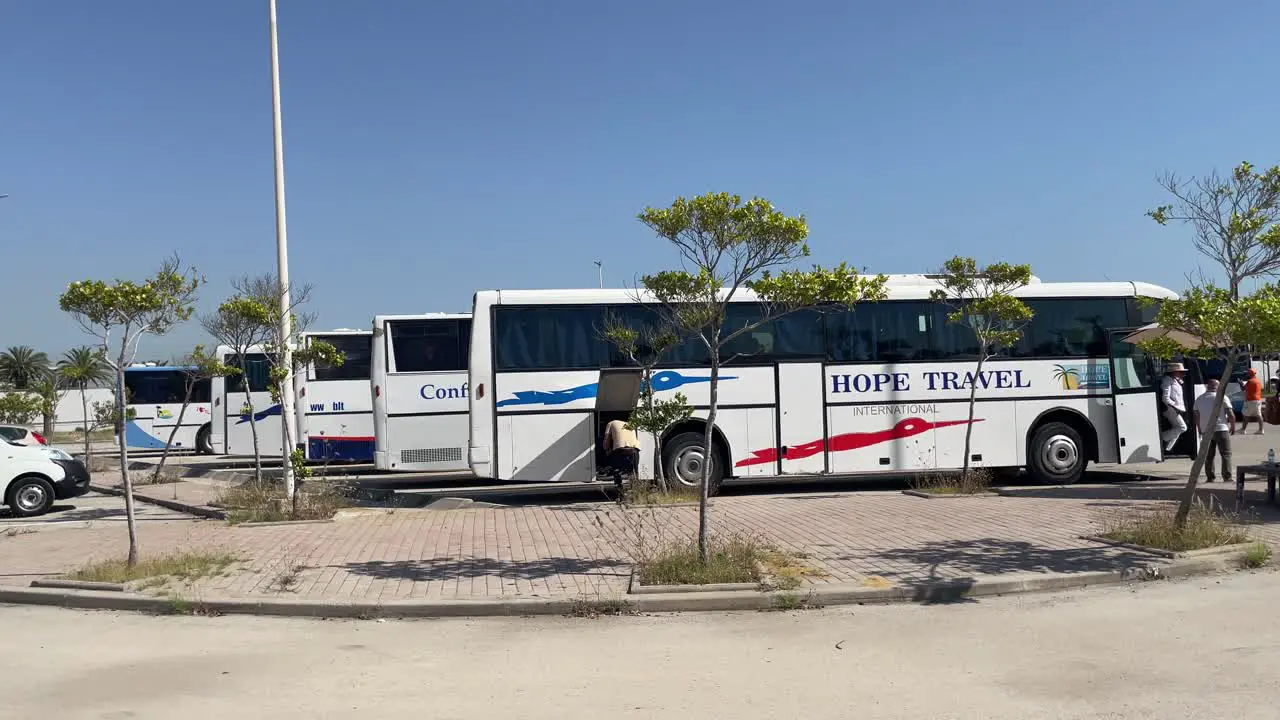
point(480, 391)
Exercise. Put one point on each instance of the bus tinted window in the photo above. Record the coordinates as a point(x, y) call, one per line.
point(155, 387)
point(1075, 327)
point(357, 351)
point(550, 338)
point(257, 372)
point(429, 345)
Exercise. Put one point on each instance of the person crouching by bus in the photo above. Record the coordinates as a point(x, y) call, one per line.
point(621, 450)
point(1252, 402)
point(1175, 405)
point(1218, 427)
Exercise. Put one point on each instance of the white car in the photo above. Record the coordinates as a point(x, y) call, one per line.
point(21, 435)
point(34, 476)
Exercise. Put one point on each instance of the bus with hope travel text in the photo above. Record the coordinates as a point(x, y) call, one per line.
point(419, 371)
point(882, 387)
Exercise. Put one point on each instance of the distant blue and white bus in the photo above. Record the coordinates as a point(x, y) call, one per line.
point(336, 403)
point(153, 402)
point(419, 379)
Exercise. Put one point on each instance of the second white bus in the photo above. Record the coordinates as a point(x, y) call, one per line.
point(419, 370)
point(879, 388)
point(335, 404)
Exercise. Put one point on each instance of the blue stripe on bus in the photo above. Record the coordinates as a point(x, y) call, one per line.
point(136, 437)
point(340, 448)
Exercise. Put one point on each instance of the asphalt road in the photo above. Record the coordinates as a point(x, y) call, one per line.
point(1204, 648)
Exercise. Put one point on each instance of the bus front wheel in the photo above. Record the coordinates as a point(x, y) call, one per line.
point(1056, 455)
point(204, 441)
point(683, 458)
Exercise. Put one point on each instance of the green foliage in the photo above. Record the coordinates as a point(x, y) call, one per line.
point(1207, 319)
point(205, 365)
point(298, 460)
point(154, 305)
point(83, 366)
point(20, 366)
point(107, 414)
point(981, 301)
point(655, 416)
point(19, 408)
point(1236, 219)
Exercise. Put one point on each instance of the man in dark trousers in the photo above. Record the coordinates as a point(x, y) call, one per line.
point(621, 450)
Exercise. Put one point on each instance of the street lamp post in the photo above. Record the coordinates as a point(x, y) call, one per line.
point(600, 270)
point(285, 333)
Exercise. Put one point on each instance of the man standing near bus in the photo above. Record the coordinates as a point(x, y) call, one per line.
point(1218, 427)
point(1252, 402)
point(1175, 405)
point(622, 450)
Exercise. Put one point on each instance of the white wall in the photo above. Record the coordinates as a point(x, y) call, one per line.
point(69, 415)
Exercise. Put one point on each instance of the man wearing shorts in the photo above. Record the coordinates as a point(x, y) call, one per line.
point(1252, 402)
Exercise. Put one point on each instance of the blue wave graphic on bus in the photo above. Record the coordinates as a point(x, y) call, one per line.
point(258, 416)
point(665, 380)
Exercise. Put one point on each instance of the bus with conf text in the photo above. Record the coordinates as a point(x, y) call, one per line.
point(881, 387)
point(335, 404)
point(419, 371)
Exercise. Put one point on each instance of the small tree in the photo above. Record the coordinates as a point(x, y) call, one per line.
point(240, 323)
point(1222, 325)
point(726, 246)
point(981, 300)
point(1236, 219)
point(78, 369)
point(122, 312)
point(18, 408)
point(50, 391)
point(645, 347)
point(200, 365)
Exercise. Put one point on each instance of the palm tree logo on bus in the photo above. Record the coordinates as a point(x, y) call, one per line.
point(1082, 377)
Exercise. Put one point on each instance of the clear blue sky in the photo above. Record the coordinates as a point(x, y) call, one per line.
point(434, 148)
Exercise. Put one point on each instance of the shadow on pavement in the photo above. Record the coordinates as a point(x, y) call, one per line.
point(452, 568)
point(954, 560)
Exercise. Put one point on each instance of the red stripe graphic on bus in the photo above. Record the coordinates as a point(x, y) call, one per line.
point(851, 441)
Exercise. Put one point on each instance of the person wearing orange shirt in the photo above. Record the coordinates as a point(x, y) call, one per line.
point(1252, 402)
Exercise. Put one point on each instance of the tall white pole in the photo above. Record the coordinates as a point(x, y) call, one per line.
point(282, 270)
point(600, 270)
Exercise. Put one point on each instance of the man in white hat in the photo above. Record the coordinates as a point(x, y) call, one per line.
point(1175, 404)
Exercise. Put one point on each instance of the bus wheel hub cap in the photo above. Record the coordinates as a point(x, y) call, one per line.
point(1060, 454)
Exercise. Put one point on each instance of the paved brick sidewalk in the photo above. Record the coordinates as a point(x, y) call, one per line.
point(583, 550)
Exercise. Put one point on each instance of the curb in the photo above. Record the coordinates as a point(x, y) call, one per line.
point(652, 602)
point(197, 510)
point(1172, 554)
point(948, 496)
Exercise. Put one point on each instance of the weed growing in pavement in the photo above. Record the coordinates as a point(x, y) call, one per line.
point(646, 494)
point(286, 580)
point(264, 501)
point(599, 607)
point(784, 602)
point(1257, 555)
point(186, 566)
point(974, 482)
point(1156, 527)
point(16, 531)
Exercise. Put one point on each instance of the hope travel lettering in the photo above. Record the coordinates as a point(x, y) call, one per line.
point(934, 379)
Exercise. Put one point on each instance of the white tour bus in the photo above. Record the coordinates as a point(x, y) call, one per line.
point(154, 398)
point(881, 388)
point(420, 392)
point(335, 407)
point(233, 427)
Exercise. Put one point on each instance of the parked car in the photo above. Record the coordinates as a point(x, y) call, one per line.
point(34, 476)
point(21, 435)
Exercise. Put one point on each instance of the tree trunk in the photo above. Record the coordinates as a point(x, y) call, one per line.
point(659, 475)
point(1189, 494)
point(704, 485)
point(48, 419)
point(253, 424)
point(84, 409)
point(124, 462)
point(168, 445)
point(968, 429)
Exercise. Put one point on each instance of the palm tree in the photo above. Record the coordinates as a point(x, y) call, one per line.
point(20, 366)
point(79, 368)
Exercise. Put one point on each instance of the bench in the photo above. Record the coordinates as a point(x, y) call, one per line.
point(1270, 472)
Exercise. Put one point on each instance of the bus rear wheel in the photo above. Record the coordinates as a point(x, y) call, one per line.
point(204, 441)
point(1056, 455)
point(683, 458)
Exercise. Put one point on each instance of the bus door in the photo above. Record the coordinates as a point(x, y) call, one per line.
point(1135, 391)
